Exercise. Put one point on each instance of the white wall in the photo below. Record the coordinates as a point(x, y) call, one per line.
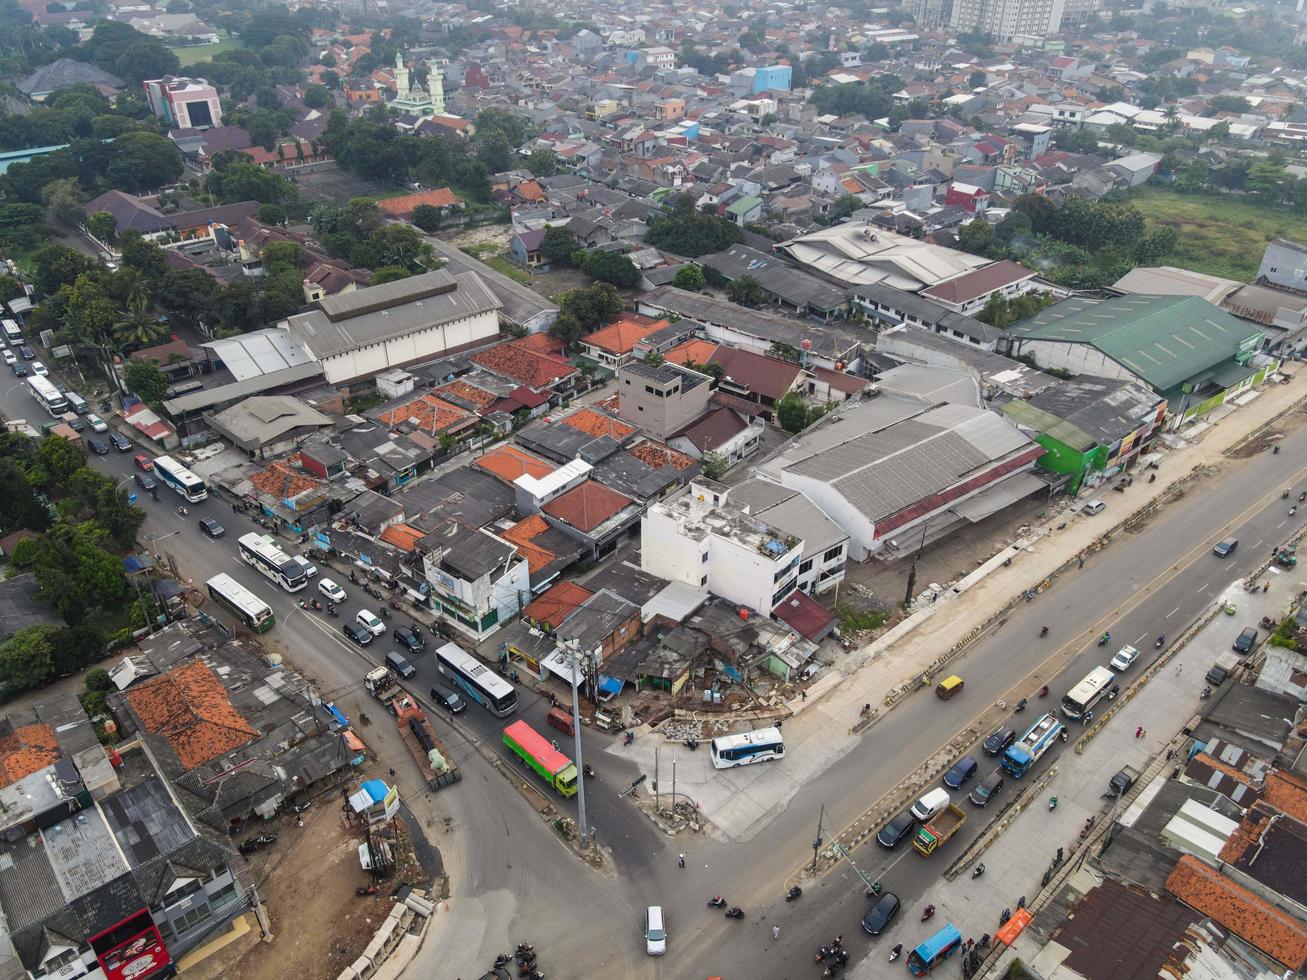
point(851, 521)
point(668, 552)
point(362, 362)
point(1078, 359)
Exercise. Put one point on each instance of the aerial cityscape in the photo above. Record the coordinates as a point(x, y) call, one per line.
point(688, 491)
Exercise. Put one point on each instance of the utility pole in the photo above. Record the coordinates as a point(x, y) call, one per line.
point(576, 741)
point(817, 841)
point(912, 572)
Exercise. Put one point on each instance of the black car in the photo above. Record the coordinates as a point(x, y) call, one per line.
point(987, 789)
point(409, 637)
point(960, 772)
point(880, 915)
point(896, 830)
point(120, 442)
point(98, 446)
point(212, 528)
point(145, 482)
point(1224, 549)
point(27, 353)
point(76, 424)
point(355, 632)
point(1246, 640)
point(18, 369)
point(1000, 739)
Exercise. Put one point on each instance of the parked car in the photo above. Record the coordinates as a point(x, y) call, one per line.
point(120, 442)
point(76, 424)
point(98, 446)
point(960, 772)
point(355, 632)
point(331, 591)
point(96, 423)
point(1246, 640)
point(893, 832)
point(880, 915)
point(1124, 658)
point(143, 462)
point(145, 482)
point(212, 528)
point(10, 357)
point(410, 638)
point(987, 789)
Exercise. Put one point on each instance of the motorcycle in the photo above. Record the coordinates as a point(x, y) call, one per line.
point(182, 512)
point(1043, 632)
point(927, 913)
point(1021, 706)
point(717, 902)
point(824, 953)
point(1004, 916)
point(896, 952)
point(394, 605)
point(793, 893)
point(317, 606)
point(1104, 639)
point(1043, 691)
point(1160, 641)
point(836, 964)
point(1285, 495)
point(252, 844)
point(691, 743)
point(1302, 496)
point(363, 890)
point(628, 738)
point(978, 870)
point(1052, 803)
point(1063, 735)
point(301, 807)
point(502, 959)
point(1113, 691)
point(331, 609)
point(1207, 693)
point(385, 613)
point(587, 770)
point(735, 912)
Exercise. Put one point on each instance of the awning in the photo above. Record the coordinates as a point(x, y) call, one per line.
point(560, 665)
point(976, 509)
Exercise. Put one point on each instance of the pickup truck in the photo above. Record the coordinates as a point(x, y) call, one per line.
point(1122, 781)
point(939, 828)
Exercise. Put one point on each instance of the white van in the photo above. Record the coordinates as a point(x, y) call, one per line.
point(655, 933)
point(930, 804)
point(76, 402)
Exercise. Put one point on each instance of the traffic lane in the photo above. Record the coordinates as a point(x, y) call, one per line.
point(916, 729)
point(619, 825)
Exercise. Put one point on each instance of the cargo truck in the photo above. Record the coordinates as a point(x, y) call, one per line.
point(938, 829)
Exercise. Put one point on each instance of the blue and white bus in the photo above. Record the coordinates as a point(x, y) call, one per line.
point(746, 748)
point(261, 553)
point(480, 683)
point(186, 483)
point(934, 951)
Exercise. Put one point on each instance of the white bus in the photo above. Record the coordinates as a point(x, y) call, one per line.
point(1087, 693)
point(180, 479)
point(746, 748)
point(48, 395)
point(292, 574)
point(482, 684)
point(243, 604)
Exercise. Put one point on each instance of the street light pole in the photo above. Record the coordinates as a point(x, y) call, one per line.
point(576, 741)
point(817, 841)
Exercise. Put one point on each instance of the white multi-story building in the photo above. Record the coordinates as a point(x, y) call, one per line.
point(720, 548)
point(1006, 19)
point(478, 580)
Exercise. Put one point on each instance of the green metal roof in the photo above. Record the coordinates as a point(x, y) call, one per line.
point(744, 205)
point(1166, 340)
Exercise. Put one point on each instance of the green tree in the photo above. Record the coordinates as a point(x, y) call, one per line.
point(20, 507)
point(142, 255)
point(142, 162)
point(746, 291)
point(558, 245)
point(714, 465)
point(58, 460)
point(591, 306)
point(146, 381)
point(427, 218)
point(567, 328)
point(792, 413)
point(272, 214)
point(979, 238)
point(59, 265)
point(389, 273)
point(316, 97)
point(188, 295)
point(27, 658)
point(689, 277)
point(542, 161)
point(611, 267)
point(685, 231)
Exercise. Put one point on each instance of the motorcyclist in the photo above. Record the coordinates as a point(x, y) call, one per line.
point(1161, 639)
point(1043, 631)
point(1106, 638)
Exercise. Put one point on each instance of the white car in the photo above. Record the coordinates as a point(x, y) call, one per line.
point(96, 423)
point(1124, 658)
point(370, 622)
point(332, 591)
point(310, 569)
point(10, 357)
point(39, 369)
point(655, 933)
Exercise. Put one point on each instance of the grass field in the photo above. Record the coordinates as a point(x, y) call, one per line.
point(501, 263)
point(203, 52)
point(1221, 235)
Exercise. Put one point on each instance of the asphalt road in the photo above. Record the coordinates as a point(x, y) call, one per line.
point(526, 885)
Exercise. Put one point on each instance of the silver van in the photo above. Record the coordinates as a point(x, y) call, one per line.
point(76, 402)
point(1094, 507)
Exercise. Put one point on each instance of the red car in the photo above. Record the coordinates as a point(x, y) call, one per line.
point(143, 462)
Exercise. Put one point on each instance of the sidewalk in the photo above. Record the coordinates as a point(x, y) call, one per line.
point(740, 802)
point(1013, 865)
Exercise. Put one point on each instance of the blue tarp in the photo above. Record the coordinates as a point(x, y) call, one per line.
point(338, 715)
point(610, 685)
point(133, 564)
point(376, 789)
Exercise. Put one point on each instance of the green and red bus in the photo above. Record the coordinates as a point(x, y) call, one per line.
point(535, 751)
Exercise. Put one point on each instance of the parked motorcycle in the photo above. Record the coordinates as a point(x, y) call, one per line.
point(364, 890)
point(717, 902)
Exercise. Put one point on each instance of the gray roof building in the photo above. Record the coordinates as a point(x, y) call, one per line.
point(268, 423)
point(62, 73)
point(520, 305)
point(798, 290)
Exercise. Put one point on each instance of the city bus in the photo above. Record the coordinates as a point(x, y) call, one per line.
point(258, 551)
point(539, 754)
point(50, 397)
point(934, 951)
point(746, 748)
point(481, 684)
point(1082, 698)
point(180, 479)
point(241, 602)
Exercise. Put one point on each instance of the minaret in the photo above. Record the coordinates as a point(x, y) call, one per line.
point(401, 76)
point(436, 86)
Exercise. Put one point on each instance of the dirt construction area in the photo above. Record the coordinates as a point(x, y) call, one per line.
point(307, 878)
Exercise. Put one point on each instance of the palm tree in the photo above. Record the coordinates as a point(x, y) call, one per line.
point(1172, 113)
point(138, 328)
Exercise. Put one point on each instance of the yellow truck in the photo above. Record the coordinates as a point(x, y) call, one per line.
point(938, 829)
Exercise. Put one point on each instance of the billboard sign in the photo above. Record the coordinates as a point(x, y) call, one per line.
point(131, 950)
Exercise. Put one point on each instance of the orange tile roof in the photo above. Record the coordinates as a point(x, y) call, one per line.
point(691, 352)
point(622, 336)
point(441, 197)
point(509, 462)
point(25, 750)
point(1287, 793)
point(403, 536)
point(521, 534)
point(657, 455)
point(597, 424)
point(428, 413)
point(470, 393)
point(587, 505)
point(190, 708)
point(541, 343)
point(529, 190)
point(1250, 917)
point(282, 480)
point(557, 603)
point(527, 367)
